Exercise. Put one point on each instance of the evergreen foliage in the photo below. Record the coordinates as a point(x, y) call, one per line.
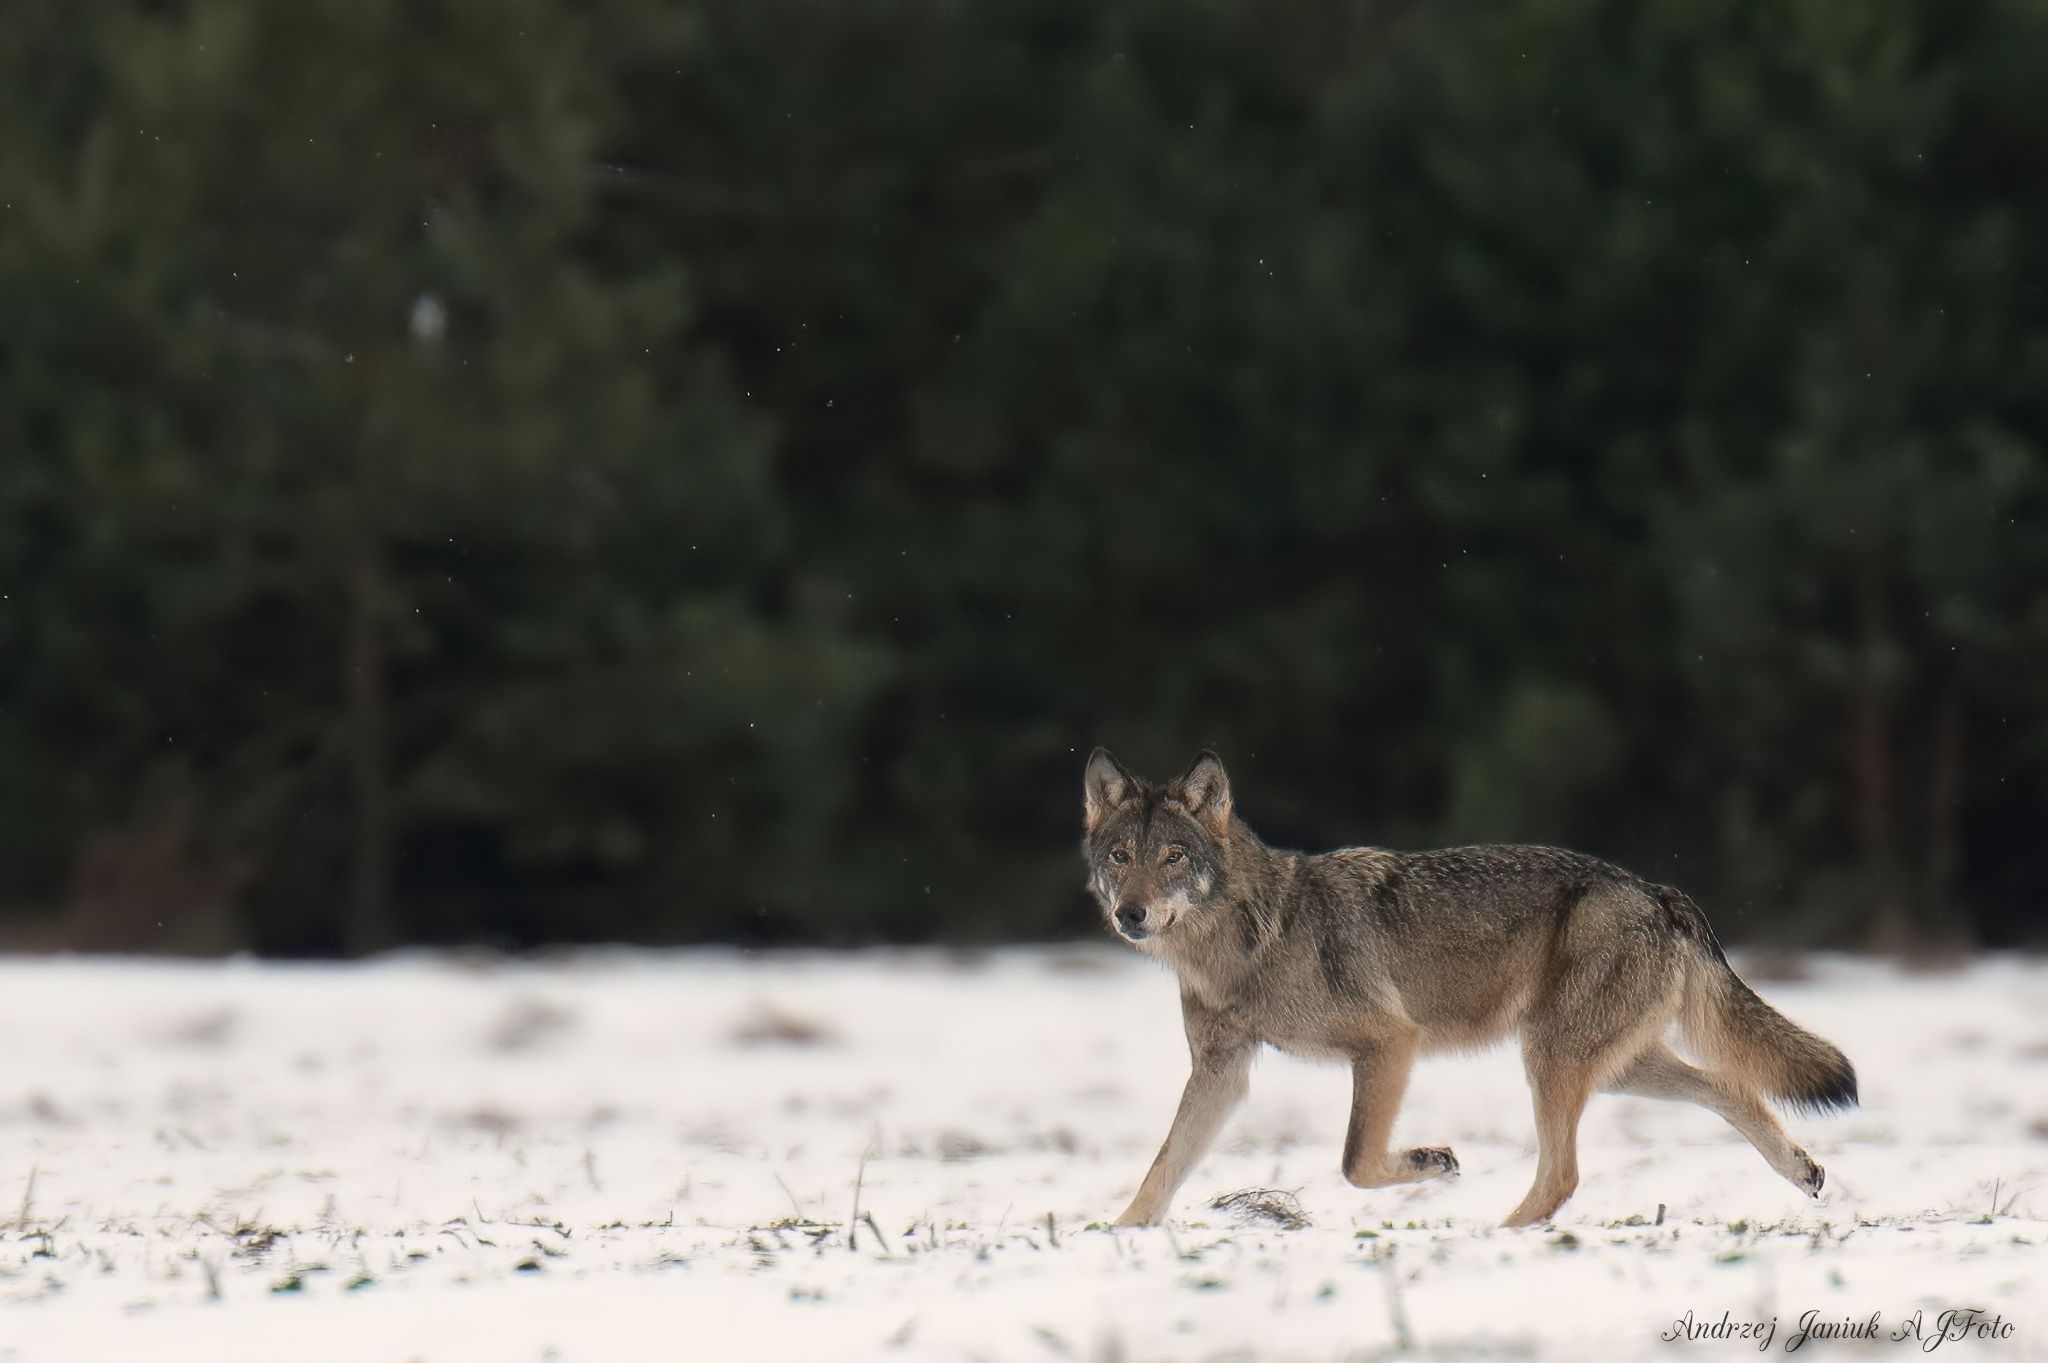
point(519, 472)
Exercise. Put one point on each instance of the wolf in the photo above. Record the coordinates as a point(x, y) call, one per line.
point(1375, 957)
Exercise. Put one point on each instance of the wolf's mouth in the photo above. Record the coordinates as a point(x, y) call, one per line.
point(1140, 932)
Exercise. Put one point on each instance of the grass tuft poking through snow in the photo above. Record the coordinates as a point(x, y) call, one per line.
point(1262, 1206)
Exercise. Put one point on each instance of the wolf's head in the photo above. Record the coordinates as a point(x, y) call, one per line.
point(1155, 853)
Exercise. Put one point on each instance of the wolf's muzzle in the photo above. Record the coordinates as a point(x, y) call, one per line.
point(1130, 921)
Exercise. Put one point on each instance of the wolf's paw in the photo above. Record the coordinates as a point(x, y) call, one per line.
point(1431, 1161)
point(1811, 1177)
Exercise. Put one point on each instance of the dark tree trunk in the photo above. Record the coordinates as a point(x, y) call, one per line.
point(367, 924)
point(1944, 796)
point(1871, 772)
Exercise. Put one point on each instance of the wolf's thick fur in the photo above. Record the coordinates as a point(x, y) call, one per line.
point(1374, 957)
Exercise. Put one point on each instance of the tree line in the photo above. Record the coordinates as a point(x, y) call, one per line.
point(672, 472)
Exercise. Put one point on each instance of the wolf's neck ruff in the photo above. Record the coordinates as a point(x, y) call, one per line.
point(1221, 951)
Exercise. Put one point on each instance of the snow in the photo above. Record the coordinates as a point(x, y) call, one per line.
point(619, 1155)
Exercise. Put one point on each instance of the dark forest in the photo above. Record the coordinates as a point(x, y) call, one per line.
point(513, 473)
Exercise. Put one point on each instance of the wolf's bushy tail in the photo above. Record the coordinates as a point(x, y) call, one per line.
point(1732, 1029)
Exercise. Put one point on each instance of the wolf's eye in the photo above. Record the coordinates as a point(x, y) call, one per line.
point(1173, 856)
point(1120, 857)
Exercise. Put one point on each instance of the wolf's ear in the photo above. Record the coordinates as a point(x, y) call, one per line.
point(1203, 790)
point(1105, 786)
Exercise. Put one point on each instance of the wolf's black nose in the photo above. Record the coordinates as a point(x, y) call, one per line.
point(1129, 915)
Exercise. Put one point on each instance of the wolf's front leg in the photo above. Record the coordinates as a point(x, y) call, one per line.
point(1215, 1086)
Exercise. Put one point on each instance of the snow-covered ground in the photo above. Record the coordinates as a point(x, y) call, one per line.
point(659, 1157)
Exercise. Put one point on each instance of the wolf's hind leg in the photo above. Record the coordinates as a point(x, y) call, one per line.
point(1560, 1097)
point(1659, 1073)
point(1379, 1076)
point(1608, 993)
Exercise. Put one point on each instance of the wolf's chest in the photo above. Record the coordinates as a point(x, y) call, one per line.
point(1291, 1012)
point(1301, 1026)
point(1310, 1047)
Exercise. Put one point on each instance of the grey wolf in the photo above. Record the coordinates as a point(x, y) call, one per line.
point(1375, 957)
